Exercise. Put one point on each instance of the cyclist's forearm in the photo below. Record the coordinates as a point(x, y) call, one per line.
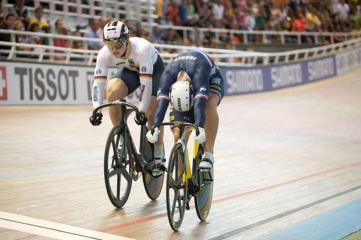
point(145, 92)
point(199, 111)
point(162, 105)
point(98, 92)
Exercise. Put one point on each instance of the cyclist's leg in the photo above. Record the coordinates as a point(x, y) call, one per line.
point(158, 146)
point(116, 89)
point(212, 120)
point(122, 83)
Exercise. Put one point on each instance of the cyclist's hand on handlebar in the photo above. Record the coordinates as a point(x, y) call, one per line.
point(140, 119)
point(96, 119)
point(201, 138)
point(153, 137)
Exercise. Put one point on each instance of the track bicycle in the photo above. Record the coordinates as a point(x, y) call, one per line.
point(123, 164)
point(184, 181)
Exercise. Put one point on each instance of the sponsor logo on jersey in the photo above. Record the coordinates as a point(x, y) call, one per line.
point(131, 62)
point(216, 80)
point(95, 94)
point(141, 92)
point(144, 69)
point(120, 63)
point(185, 58)
point(98, 71)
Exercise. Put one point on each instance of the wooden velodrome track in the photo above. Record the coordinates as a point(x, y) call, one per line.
point(283, 159)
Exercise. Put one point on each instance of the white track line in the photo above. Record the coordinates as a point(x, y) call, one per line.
point(51, 229)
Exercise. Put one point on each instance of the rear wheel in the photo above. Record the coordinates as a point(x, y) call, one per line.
point(176, 187)
point(118, 167)
point(204, 180)
point(153, 186)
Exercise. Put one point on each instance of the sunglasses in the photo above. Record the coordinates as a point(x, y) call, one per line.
point(115, 44)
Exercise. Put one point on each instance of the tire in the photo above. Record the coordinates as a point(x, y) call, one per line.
point(203, 199)
point(118, 168)
point(152, 185)
point(176, 204)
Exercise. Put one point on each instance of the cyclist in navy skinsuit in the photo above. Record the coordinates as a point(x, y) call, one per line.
point(204, 78)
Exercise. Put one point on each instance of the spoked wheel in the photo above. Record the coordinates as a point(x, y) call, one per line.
point(176, 200)
point(152, 185)
point(118, 168)
point(203, 199)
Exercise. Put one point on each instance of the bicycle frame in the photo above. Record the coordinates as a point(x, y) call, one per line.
point(123, 163)
point(184, 180)
point(125, 112)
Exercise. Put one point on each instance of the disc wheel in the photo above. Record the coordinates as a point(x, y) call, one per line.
point(152, 185)
point(118, 167)
point(176, 202)
point(203, 199)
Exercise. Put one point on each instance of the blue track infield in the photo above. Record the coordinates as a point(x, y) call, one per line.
point(332, 225)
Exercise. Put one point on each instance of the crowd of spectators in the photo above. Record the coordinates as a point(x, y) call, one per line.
point(325, 16)
point(252, 16)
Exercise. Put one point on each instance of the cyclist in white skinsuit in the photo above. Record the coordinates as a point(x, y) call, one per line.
point(139, 64)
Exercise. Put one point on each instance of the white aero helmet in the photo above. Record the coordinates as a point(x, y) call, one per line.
point(181, 96)
point(115, 34)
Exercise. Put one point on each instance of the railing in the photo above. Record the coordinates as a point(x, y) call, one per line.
point(223, 57)
point(266, 37)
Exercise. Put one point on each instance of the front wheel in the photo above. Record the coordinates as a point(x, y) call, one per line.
point(176, 187)
point(117, 167)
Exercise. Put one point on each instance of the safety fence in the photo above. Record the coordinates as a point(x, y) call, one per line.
point(223, 57)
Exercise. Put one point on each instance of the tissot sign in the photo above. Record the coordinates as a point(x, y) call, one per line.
point(28, 84)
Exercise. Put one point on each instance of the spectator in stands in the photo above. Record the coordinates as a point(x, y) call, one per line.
point(312, 22)
point(229, 14)
point(343, 10)
point(20, 12)
point(92, 33)
point(77, 44)
point(260, 19)
point(8, 24)
point(218, 10)
point(102, 22)
point(156, 36)
point(251, 21)
point(173, 11)
point(354, 19)
point(192, 16)
point(241, 15)
point(182, 9)
point(39, 18)
point(18, 26)
point(172, 37)
point(35, 28)
point(298, 25)
point(60, 42)
point(337, 33)
point(46, 29)
point(139, 30)
point(206, 16)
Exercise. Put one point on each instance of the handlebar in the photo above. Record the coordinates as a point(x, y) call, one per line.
point(118, 102)
point(177, 124)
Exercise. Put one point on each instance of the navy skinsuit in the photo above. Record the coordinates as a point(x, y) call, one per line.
point(201, 69)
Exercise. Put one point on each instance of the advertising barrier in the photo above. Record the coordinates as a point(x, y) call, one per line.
point(44, 84)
